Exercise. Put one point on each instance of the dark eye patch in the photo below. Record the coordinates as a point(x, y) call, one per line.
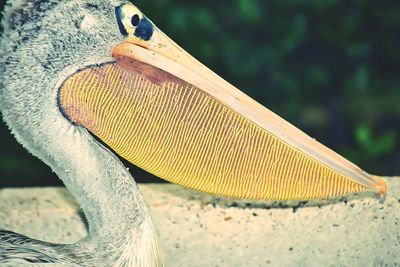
point(120, 16)
point(145, 29)
point(135, 20)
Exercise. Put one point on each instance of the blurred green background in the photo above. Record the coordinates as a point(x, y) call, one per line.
point(330, 67)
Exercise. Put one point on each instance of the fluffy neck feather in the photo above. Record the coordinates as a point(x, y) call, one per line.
point(43, 42)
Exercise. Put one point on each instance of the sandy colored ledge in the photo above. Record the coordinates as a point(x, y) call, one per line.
point(199, 230)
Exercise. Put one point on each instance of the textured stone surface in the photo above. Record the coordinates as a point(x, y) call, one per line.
point(200, 230)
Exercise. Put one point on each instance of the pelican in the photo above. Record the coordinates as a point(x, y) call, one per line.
point(75, 70)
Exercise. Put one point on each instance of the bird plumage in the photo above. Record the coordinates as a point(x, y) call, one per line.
point(45, 41)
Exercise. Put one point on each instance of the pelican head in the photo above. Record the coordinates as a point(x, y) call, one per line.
point(73, 69)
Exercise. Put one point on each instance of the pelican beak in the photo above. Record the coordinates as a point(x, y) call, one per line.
point(164, 111)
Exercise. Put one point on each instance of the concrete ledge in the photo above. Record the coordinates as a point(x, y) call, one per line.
point(200, 230)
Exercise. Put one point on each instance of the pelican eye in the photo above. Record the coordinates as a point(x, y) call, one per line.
point(135, 20)
point(132, 22)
